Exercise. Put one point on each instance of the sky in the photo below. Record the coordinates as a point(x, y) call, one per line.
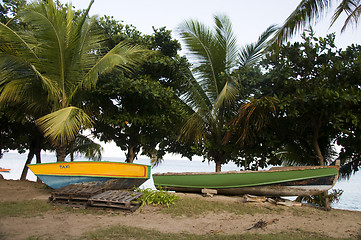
point(249, 19)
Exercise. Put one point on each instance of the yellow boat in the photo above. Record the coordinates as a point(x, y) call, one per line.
point(61, 174)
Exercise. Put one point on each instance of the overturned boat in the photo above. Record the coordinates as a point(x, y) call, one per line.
point(278, 181)
point(60, 174)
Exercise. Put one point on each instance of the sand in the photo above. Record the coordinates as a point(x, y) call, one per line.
point(64, 225)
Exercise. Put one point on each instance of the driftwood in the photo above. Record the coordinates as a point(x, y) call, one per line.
point(208, 192)
point(284, 202)
point(276, 201)
point(262, 224)
point(252, 198)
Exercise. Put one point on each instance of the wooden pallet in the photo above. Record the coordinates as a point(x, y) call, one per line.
point(76, 193)
point(116, 199)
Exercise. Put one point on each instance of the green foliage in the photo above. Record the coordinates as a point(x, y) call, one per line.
point(86, 147)
point(320, 199)
point(48, 66)
point(140, 110)
point(9, 9)
point(157, 197)
point(315, 85)
point(311, 11)
point(214, 93)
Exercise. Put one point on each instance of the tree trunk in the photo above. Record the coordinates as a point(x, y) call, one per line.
point(316, 146)
point(28, 161)
point(71, 150)
point(131, 154)
point(38, 160)
point(218, 166)
point(320, 158)
point(35, 149)
point(60, 153)
point(245, 161)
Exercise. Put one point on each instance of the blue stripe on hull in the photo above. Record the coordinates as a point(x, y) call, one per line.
point(62, 181)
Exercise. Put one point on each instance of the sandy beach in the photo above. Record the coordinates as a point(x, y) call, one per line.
point(55, 224)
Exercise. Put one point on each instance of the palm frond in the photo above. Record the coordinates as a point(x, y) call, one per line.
point(62, 126)
point(83, 145)
point(227, 48)
point(346, 6)
point(84, 16)
point(122, 55)
point(352, 9)
point(51, 37)
point(15, 44)
point(200, 40)
point(195, 127)
point(251, 118)
point(226, 96)
point(195, 96)
point(306, 12)
point(197, 38)
point(252, 53)
point(215, 52)
point(11, 93)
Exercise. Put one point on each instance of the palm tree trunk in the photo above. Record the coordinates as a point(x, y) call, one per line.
point(71, 150)
point(60, 153)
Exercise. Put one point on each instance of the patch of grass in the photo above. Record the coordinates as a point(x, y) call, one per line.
point(124, 232)
point(195, 207)
point(27, 208)
point(37, 238)
point(31, 208)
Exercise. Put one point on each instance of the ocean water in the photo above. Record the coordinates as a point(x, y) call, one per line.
point(350, 199)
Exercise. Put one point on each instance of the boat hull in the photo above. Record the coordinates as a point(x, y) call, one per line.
point(60, 174)
point(282, 182)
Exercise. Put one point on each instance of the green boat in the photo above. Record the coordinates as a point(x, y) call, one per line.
point(278, 181)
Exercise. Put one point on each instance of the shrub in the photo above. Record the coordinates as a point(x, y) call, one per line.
point(157, 197)
point(319, 199)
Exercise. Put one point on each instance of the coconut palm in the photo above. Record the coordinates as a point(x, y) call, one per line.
point(310, 11)
point(50, 63)
point(212, 90)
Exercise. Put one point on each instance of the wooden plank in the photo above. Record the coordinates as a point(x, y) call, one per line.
point(76, 192)
point(208, 192)
point(252, 198)
point(116, 199)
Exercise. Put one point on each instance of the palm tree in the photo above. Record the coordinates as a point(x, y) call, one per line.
point(212, 90)
point(48, 65)
point(310, 11)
